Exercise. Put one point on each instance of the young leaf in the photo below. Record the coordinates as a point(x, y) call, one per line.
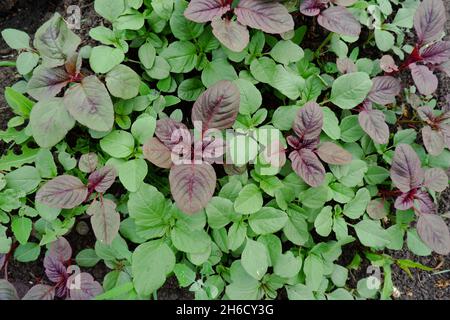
point(306, 164)
point(104, 219)
point(157, 153)
point(172, 133)
point(87, 289)
point(217, 107)
point(50, 122)
point(40, 292)
point(64, 192)
point(312, 7)
point(384, 90)
point(406, 169)
point(90, 104)
point(424, 79)
point(429, 20)
point(231, 34)
point(47, 83)
point(88, 162)
point(425, 203)
point(340, 20)
point(333, 154)
point(436, 53)
point(7, 291)
point(433, 141)
point(100, 180)
point(60, 250)
point(436, 179)
point(206, 10)
point(309, 121)
point(192, 186)
point(433, 230)
point(374, 124)
point(265, 15)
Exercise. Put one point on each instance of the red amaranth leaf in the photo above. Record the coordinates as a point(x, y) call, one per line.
point(306, 164)
point(423, 203)
point(406, 170)
point(340, 20)
point(374, 124)
point(172, 133)
point(100, 180)
point(40, 292)
point(206, 10)
point(232, 34)
point(309, 121)
point(426, 82)
point(312, 7)
point(47, 83)
point(157, 153)
point(384, 90)
point(65, 192)
point(105, 220)
point(61, 250)
point(429, 20)
point(54, 269)
point(433, 141)
point(436, 179)
point(433, 230)
point(405, 201)
point(83, 287)
point(436, 53)
point(334, 154)
point(192, 186)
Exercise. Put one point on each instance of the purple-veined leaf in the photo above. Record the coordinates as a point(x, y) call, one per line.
point(298, 144)
point(406, 169)
point(217, 107)
point(50, 122)
point(275, 154)
point(40, 292)
point(206, 10)
point(426, 114)
point(423, 203)
point(433, 141)
point(210, 149)
point(436, 179)
point(232, 34)
point(47, 83)
point(340, 20)
point(308, 121)
point(344, 3)
point(61, 250)
point(445, 130)
point(266, 15)
point(405, 201)
point(436, 53)
point(376, 209)
point(105, 220)
point(312, 7)
point(73, 64)
point(2, 260)
point(100, 180)
point(88, 162)
point(426, 82)
point(192, 186)
point(444, 67)
point(65, 192)
point(306, 164)
point(433, 230)
point(82, 286)
point(384, 90)
point(54, 269)
point(387, 64)
point(346, 65)
point(294, 142)
point(429, 20)
point(90, 104)
point(157, 153)
point(7, 291)
point(334, 154)
point(374, 124)
point(172, 133)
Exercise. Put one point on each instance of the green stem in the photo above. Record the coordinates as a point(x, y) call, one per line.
point(323, 44)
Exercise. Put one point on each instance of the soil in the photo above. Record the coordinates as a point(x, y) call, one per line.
point(422, 286)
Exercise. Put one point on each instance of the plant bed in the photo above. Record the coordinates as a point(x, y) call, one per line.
point(172, 73)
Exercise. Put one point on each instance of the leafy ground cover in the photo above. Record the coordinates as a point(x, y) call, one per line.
point(346, 165)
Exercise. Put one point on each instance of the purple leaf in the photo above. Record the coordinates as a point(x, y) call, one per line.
point(444, 67)
point(266, 15)
point(312, 7)
point(309, 121)
point(47, 83)
point(387, 64)
point(426, 82)
point(40, 292)
point(7, 291)
point(340, 20)
point(157, 153)
point(384, 90)
point(105, 220)
point(306, 164)
point(54, 269)
point(405, 201)
point(426, 114)
point(425, 203)
point(406, 169)
point(445, 130)
point(433, 230)
point(60, 250)
point(346, 65)
point(206, 10)
point(2, 260)
point(217, 107)
point(171, 133)
point(334, 154)
point(231, 34)
point(433, 141)
point(100, 180)
point(436, 53)
point(82, 286)
point(88, 162)
point(275, 154)
point(65, 192)
point(429, 20)
point(90, 104)
point(373, 123)
point(192, 186)
point(436, 179)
